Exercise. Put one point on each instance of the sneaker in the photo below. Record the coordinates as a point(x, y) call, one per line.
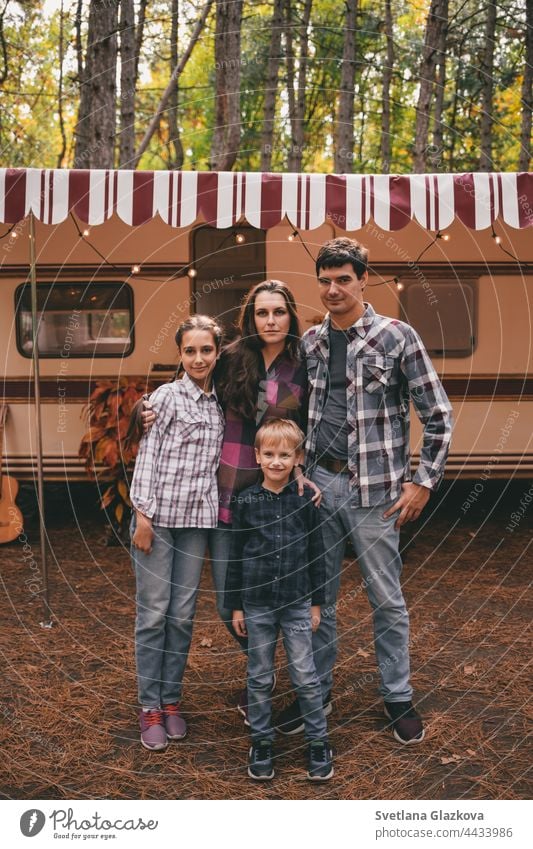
point(153, 734)
point(290, 720)
point(242, 701)
point(260, 765)
point(406, 722)
point(319, 761)
point(175, 725)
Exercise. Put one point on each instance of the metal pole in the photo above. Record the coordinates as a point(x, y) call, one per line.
point(47, 616)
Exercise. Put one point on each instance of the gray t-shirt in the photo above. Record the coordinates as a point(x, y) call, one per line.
point(333, 434)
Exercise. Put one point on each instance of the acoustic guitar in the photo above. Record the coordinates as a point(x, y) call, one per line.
point(11, 521)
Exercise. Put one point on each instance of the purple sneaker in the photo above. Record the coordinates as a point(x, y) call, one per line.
point(153, 734)
point(175, 725)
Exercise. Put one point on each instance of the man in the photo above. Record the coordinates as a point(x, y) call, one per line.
point(363, 371)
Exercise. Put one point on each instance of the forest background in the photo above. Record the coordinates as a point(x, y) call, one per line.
point(297, 85)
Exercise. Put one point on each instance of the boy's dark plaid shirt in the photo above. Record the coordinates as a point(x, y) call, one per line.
point(277, 552)
point(387, 366)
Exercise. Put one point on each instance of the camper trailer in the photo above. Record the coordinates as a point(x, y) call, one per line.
point(123, 257)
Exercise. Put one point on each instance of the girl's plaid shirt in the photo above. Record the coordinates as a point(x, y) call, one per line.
point(174, 482)
point(387, 366)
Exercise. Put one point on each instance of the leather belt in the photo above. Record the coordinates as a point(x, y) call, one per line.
point(333, 465)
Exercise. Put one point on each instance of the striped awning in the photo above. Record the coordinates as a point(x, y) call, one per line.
point(307, 200)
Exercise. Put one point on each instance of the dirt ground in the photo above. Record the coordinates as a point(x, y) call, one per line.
point(67, 695)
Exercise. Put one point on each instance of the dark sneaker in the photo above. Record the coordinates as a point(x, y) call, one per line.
point(242, 701)
point(319, 761)
point(175, 725)
point(153, 734)
point(406, 722)
point(260, 765)
point(290, 720)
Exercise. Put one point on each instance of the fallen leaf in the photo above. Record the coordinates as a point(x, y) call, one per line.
point(451, 760)
point(471, 752)
point(362, 653)
point(469, 669)
point(206, 642)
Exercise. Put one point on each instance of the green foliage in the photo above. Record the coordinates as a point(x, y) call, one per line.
point(29, 119)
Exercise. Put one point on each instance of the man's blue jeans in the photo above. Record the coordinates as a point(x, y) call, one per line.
point(263, 625)
point(219, 553)
point(376, 544)
point(167, 587)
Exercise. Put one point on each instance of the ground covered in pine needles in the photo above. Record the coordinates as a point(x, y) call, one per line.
point(67, 695)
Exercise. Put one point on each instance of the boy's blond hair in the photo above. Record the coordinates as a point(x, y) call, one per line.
point(280, 430)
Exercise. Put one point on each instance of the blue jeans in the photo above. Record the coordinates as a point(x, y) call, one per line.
point(376, 544)
point(219, 552)
point(263, 625)
point(167, 587)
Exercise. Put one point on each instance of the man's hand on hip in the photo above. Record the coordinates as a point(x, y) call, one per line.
point(410, 503)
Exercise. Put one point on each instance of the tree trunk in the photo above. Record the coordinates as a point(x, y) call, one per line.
point(437, 19)
point(527, 93)
point(487, 88)
point(174, 140)
point(386, 145)
point(61, 154)
point(127, 83)
point(271, 86)
point(162, 105)
point(344, 139)
point(227, 131)
point(95, 142)
point(297, 89)
point(81, 130)
point(437, 153)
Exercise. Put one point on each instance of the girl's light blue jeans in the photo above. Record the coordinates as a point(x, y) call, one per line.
point(376, 544)
point(167, 586)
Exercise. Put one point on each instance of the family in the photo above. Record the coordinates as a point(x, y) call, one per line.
point(272, 452)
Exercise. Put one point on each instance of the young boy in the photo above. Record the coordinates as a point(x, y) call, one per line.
point(275, 582)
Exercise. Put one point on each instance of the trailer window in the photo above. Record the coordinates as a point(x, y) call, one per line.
point(76, 320)
point(444, 314)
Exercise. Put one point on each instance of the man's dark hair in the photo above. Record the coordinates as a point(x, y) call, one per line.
point(338, 252)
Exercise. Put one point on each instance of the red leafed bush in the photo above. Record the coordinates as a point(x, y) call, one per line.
point(108, 455)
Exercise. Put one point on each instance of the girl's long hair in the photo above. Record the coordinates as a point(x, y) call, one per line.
point(194, 322)
point(239, 375)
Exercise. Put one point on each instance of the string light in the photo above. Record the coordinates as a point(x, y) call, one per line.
point(86, 232)
point(192, 272)
point(444, 236)
point(399, 285)
point(240, 238)
point(14, 234)
point(293, 236)
point(497, 239)
point(135, 269)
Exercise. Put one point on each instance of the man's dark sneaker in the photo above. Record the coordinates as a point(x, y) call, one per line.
point(319, 761)
point(242, 701)
point(260, 766)
point(405, 721)
point(290, 720)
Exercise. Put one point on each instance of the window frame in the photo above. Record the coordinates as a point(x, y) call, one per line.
point(75, 355)
point(434, 280)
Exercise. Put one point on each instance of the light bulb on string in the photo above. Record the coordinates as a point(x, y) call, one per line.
point(497, 239)
point(292, 236)
point(240, 238)
point(135, 269)
point(399, 285)
point(192, 272)
point(86, 232)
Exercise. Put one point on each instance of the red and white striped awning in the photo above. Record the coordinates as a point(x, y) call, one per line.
point(307, 200)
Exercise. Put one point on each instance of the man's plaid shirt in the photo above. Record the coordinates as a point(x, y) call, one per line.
point(386, 367)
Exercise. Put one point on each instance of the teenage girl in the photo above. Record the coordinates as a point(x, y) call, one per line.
point(175, 500)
